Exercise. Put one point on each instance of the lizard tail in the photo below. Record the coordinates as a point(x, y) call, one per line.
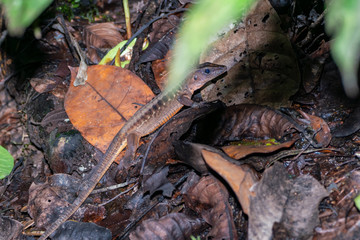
point(97, 173)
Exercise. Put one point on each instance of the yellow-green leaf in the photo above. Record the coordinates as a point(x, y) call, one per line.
point(6, 162)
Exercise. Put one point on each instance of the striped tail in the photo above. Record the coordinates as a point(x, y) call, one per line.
point(112, 152)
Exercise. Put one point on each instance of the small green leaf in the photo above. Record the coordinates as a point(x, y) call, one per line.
point(357, 202)
point(112, 53)
point(195, 238)
point(6, 162)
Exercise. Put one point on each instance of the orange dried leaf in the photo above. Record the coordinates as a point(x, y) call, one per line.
point(323, 134)
point(242, 151)
point(240, 178)
point(110, 96)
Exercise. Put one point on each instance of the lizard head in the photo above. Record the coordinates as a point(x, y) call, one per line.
point(203, 74)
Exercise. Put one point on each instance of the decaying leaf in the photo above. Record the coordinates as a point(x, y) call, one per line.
point(173, 226)
point(81, 230)
point(10, 229)
point(49, 200)
point(159, 182)
point(240, 178)
point(210, 198)
point(262, 65)
point(99, 108)
point(291, 202)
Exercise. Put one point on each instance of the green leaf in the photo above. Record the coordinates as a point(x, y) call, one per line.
point(204, 20)
point(357, 202)
point(6, 162)
point(21, 13)
point(112, 53)
point(342, 20)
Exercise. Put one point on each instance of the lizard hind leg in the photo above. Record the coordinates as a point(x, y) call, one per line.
point(126, 162)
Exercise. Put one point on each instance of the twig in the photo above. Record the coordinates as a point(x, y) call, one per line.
point(113, 187)
point(120, 194)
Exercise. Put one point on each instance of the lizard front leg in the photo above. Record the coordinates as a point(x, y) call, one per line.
point(185, 99)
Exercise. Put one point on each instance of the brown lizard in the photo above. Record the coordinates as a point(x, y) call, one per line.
point(146, 120)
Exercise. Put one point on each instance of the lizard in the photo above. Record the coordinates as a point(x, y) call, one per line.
point(145, 121)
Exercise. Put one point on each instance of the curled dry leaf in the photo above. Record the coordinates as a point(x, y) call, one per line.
point(101, 35)
point(262, 63)
point(210, 198)
point(251, 120)
point(240, 178)
point(350, 126)
point(173, 226)
point(320, 127)
point(110, 96)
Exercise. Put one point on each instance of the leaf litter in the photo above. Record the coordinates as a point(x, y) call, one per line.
point(309, 194)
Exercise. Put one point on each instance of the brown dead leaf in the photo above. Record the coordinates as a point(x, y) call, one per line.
point(210, 198)
point(158, 182)
point(49, 200)
point(53, 82)
point(81, 230)
point(10, 229)
point(293, 203)
point(100, 108)
point(173, 226)
point(101, 35)
point(238, 152)
point(262, 64)
point(240, 178)
point(163, 26)
point(42, 85)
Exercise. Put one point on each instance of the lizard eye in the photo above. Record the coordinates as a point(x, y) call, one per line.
point(207, 71)
point(195, 77)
